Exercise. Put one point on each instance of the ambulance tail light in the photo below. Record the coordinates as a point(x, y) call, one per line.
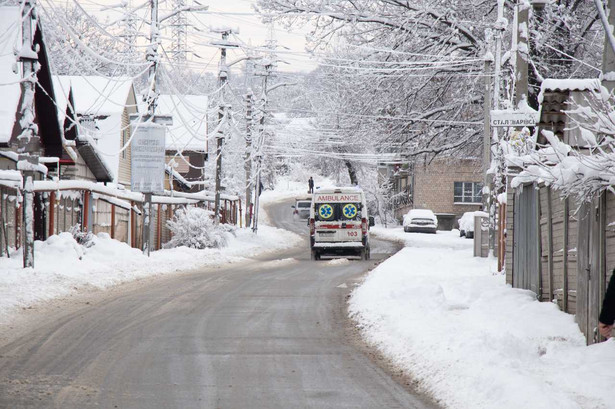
point(312, 227)
point(364, 226)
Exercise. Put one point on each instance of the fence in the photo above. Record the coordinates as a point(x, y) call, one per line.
point(562, 250)
point(60, 205)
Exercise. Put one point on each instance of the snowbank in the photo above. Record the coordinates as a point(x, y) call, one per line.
point(62, 266)
point(439, 240)
point(471, 340)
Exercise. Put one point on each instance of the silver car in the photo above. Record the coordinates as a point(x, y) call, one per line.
point(420, 221)
point(302, 209)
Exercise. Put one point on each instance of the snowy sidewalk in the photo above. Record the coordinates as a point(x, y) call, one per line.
point(63, 267)
point(471, 340)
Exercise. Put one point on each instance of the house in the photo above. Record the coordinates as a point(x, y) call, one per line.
point(10, 103)
point(102, 107)
point(560, 245)
point(94, 112)
point(186, 140)
point(448, 186)
point(50, 146)
point(81, 160)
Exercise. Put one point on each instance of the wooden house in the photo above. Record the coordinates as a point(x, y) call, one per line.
point(45, 117)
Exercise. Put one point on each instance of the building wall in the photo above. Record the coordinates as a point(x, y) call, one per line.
point(434, 184)
point(124, 171)
point(78, 171)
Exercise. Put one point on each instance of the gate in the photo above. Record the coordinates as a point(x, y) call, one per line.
point(526, 240)
point(591, 271)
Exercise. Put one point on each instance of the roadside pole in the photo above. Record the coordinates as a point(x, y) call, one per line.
point(608, 57)
point(258, 155)
point(222, 111)
point(494, 184)
point(28, 140)
point(248, 155)
point(522, 11)
point(488, 60)
point(152, 101)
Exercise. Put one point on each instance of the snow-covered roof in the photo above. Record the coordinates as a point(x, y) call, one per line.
point(104, 100)
point(572, 84)
point(189, 129)
point(10, 40)
point(94, 95)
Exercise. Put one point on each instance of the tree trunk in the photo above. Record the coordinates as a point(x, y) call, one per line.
point(352, 173)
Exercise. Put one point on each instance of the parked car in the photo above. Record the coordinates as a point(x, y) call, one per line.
point(420, 221)
point(301, 208)
point(466, 224)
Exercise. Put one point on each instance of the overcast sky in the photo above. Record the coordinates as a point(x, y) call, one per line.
point(222, 13)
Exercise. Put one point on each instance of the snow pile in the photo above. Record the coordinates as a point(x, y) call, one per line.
point(471, 340)
point(62, 266)
point(338, 262)
point(448, 239)
point(194, 227)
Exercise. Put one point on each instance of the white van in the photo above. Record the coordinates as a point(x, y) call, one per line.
point(339, 223)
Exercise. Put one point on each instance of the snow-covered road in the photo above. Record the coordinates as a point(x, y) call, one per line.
point(471, 340)
point(268, 333)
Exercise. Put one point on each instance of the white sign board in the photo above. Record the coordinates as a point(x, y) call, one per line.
point(147, 157)
point(337, 197)
point(514, 118)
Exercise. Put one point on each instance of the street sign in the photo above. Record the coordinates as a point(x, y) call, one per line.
point(511, 118)
point(147, 157)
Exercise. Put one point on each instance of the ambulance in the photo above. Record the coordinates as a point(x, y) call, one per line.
point(339, 223)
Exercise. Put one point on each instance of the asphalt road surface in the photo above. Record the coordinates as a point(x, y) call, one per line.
point(269, 333)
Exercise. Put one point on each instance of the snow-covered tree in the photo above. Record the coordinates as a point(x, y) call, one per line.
point(583, 167)
point(194, 227)
point(398, 76)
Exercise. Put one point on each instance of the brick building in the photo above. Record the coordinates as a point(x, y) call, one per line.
point(447, 186)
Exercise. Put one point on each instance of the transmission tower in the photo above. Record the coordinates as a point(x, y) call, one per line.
point(179, 26)
point(129, 35)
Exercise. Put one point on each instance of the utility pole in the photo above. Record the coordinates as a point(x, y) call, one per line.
point(222, 111)
point(258, 155)
point(491, 181)
point(608, 57)
point(28, 140)
point(520, 35)
point(488, 60)
point(248, 155)
point(152, 101)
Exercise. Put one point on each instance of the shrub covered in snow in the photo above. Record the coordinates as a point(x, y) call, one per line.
point(85, 238)
point(194, 227)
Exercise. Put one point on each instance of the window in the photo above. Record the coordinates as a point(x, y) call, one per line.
point(468, 192)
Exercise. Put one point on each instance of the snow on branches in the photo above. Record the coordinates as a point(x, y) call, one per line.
point(582, 165)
